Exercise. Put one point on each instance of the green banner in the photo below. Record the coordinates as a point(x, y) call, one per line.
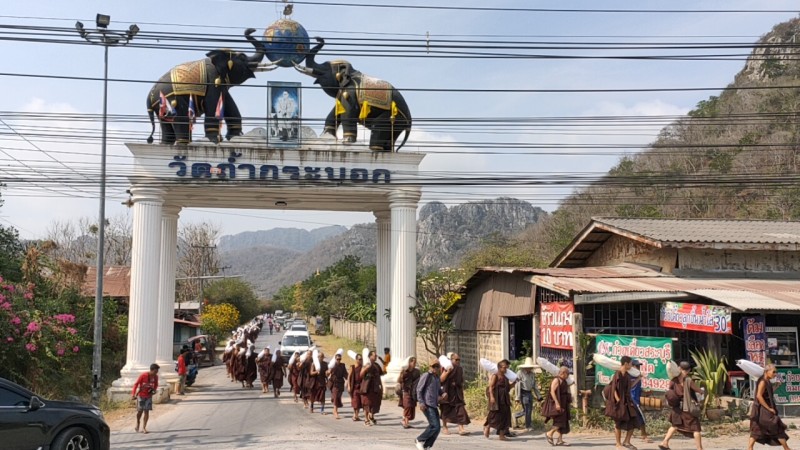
point(653, 353)
point(787, 388)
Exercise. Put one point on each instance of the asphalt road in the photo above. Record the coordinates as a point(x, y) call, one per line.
point(220, 414)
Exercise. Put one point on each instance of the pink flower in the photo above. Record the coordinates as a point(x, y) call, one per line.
point(30, 347)
point(75, 349)
point(33, 327)
point(72, 331)
point(9, 287)
point(28, 296)
point(2, 298)
point(60, 352)
point(6, 306)
point(65, 318)
point(9, 339)
point(16, 320)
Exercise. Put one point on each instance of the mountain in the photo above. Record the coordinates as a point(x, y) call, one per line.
point(271, 259)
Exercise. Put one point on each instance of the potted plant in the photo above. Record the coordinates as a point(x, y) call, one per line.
point(710, 373)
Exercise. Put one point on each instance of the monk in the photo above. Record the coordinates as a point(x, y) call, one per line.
point(337, 374)
point(766, 427)
point(264, 363)
point(294, 375)
point(407, 381)
point(305, 380)
point(556, 408)
point(240, 365)
point(354, 380)
point(319, 383)
point(499, 392)
point(251, 369)
point(227, 359)
point(453, 407)
point(277, 374)
point(619, 405)
point(684, 389)
point(371, 389)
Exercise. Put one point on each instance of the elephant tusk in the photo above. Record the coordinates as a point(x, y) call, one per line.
point(304, 69)
point(266, 67)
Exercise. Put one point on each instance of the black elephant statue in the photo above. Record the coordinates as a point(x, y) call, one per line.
point(202, 83)
point(361, 99)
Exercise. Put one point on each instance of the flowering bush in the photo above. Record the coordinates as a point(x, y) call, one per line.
point(219, 320)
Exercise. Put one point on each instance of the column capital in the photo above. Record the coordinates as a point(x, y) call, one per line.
point(382, 215)
point(404, 198)
point(171, 211)
point(147, 194)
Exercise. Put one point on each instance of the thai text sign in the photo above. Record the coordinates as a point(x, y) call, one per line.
point(787, 391)
point(755, 339)
point(688, 316)
point(653, 353)
point(555, 325)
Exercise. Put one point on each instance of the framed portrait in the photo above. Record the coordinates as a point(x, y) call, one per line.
point(284, 114)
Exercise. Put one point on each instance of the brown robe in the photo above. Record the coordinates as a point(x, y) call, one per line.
point(560, 419)
point(251, 370)
point(354, 383)
point(372, 389)
point(623, 412)
point(240, 365)
point(453, 407)
point(305, 380)
point(499, 416)
point(294, 378)
point(277, 373)
point(408, 388)
point(319, 384)
point(684, 422)
point(264, 369)
point(336, 382)
point(766, 428)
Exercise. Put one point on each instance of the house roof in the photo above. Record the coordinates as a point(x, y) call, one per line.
point(116, 282)
point(682, 233)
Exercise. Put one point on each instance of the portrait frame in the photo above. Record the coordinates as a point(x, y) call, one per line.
point(284, 113)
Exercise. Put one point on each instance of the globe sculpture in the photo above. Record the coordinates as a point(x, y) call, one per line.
point(286, 42)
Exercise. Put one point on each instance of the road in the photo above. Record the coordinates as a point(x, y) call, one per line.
point(219, 414)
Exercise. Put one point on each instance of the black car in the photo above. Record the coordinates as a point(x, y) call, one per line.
point(29, 422)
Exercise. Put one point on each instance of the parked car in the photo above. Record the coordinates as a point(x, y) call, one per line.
point(295, 341)
point(29, 422)
point(298, 326)
point(204, 356)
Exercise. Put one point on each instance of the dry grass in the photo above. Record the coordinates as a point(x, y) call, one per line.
point(330, 343)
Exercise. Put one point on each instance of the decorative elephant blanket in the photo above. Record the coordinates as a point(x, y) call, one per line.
point(190, 78)
point(375, 91)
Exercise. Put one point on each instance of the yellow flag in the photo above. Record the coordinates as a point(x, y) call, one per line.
point(394, 110)
point(364, 111)
point(339, 108)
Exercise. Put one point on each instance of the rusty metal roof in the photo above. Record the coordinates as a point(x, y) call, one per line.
point(116, 282)
point(678, 233)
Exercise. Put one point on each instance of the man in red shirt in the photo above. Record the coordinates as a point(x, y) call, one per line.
point(143, 391)
point(182, 371)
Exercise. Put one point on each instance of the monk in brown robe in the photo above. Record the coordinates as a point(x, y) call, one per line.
point(354, 380)
point(294, 375)
point(306, 382)
point(680, 416)
point(453, 407)
point(499, 392)
point(371, 389)
point(251, 369)
point(766, 427)
point(319, 384)
point(264, 363)
point(407, 381)
point(277, 374)
point(337, 374)
point(557, 408)
point(227, 359)
point(240, 365)
point(619, 405)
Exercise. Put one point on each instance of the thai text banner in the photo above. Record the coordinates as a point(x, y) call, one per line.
point(555, 325)
point(704, 318)
point(653, 353)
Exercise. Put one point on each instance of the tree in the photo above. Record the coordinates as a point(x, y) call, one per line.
point(235, 292)
point(437, 293)
point(219, 320)
point(197, 257)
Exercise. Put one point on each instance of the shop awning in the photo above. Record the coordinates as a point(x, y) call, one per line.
point(753, 301)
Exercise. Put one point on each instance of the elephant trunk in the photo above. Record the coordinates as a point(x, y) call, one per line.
point(311, 68)
point(258, 56)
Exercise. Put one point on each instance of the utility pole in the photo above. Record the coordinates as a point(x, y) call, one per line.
point(203, 270)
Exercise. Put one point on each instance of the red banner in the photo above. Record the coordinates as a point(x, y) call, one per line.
point(688, 316)
point(555, 325)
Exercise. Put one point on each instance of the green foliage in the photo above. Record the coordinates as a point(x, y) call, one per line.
point(219, 320)
point(436, 294)
point(497, 250)
point(236, 292)
point(706, 108)
point(710, 373)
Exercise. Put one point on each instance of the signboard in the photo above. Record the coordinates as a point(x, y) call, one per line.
point(653, 353)
point(284, 114)
point(787, 391)
point(688, 316)
point(755, 339)
point(555, 325)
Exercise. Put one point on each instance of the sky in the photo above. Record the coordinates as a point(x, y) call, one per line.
point(33, 209)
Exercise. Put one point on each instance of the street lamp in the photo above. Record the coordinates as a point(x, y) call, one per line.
point(107, 38)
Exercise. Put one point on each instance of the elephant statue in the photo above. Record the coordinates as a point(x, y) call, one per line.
point(202, 83)
point(361, 99)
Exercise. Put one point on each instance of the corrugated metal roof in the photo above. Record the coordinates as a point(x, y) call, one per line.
point(710, 230)
point(116, 282)
point(749, 300)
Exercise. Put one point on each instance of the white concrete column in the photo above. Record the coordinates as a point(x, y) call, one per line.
point(384, 282)
point(143, 308)
point(403, 204)
point(166, 296)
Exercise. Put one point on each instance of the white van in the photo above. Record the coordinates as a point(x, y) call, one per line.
point(295, 341)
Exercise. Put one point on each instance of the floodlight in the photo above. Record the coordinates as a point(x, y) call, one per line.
point(133, 30)
point(103, 20)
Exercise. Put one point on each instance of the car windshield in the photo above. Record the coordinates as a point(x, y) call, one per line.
point(295, 341)
point(299, 326)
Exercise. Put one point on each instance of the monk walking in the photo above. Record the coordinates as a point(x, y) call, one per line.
point(278, 373)
point(620, 407)
point(337, 375)
point(453, 407)
point(371, 389)
point(499, 416)
point(319, 383)
point(556, 408)
point(407, 382)
point(294, 375)
point(354, 380)
point(264, 363)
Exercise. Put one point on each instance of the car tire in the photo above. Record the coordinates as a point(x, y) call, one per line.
point(74, 438)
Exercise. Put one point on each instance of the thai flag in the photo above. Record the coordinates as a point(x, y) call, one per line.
point(220, 114)
point(165, 111)
point(192, 113)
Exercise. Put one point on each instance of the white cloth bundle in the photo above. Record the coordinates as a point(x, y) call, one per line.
point(552, 369)
point(262, 354)
point(613, 364)
point(303, 357)
point(332, 364)
point(511, 375)
point(673, 370)
point(352, 354)
point(275, 354)
point(365, 356)
point(292, 358)
point(249, 352)
point(445, 362)
point(488, 366)
point(229, 348)
point(315, 358)
point(750, 368)
point(339, 352)
point(406, 362)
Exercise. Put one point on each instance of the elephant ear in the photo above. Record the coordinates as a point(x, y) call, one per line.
point(343, 74)
point(220, 59)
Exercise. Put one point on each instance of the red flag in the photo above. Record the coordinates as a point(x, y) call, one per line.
point(220, 114)
point(192, 113)
point(165, 111)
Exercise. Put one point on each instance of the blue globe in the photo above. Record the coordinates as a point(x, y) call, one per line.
point(286, 42)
